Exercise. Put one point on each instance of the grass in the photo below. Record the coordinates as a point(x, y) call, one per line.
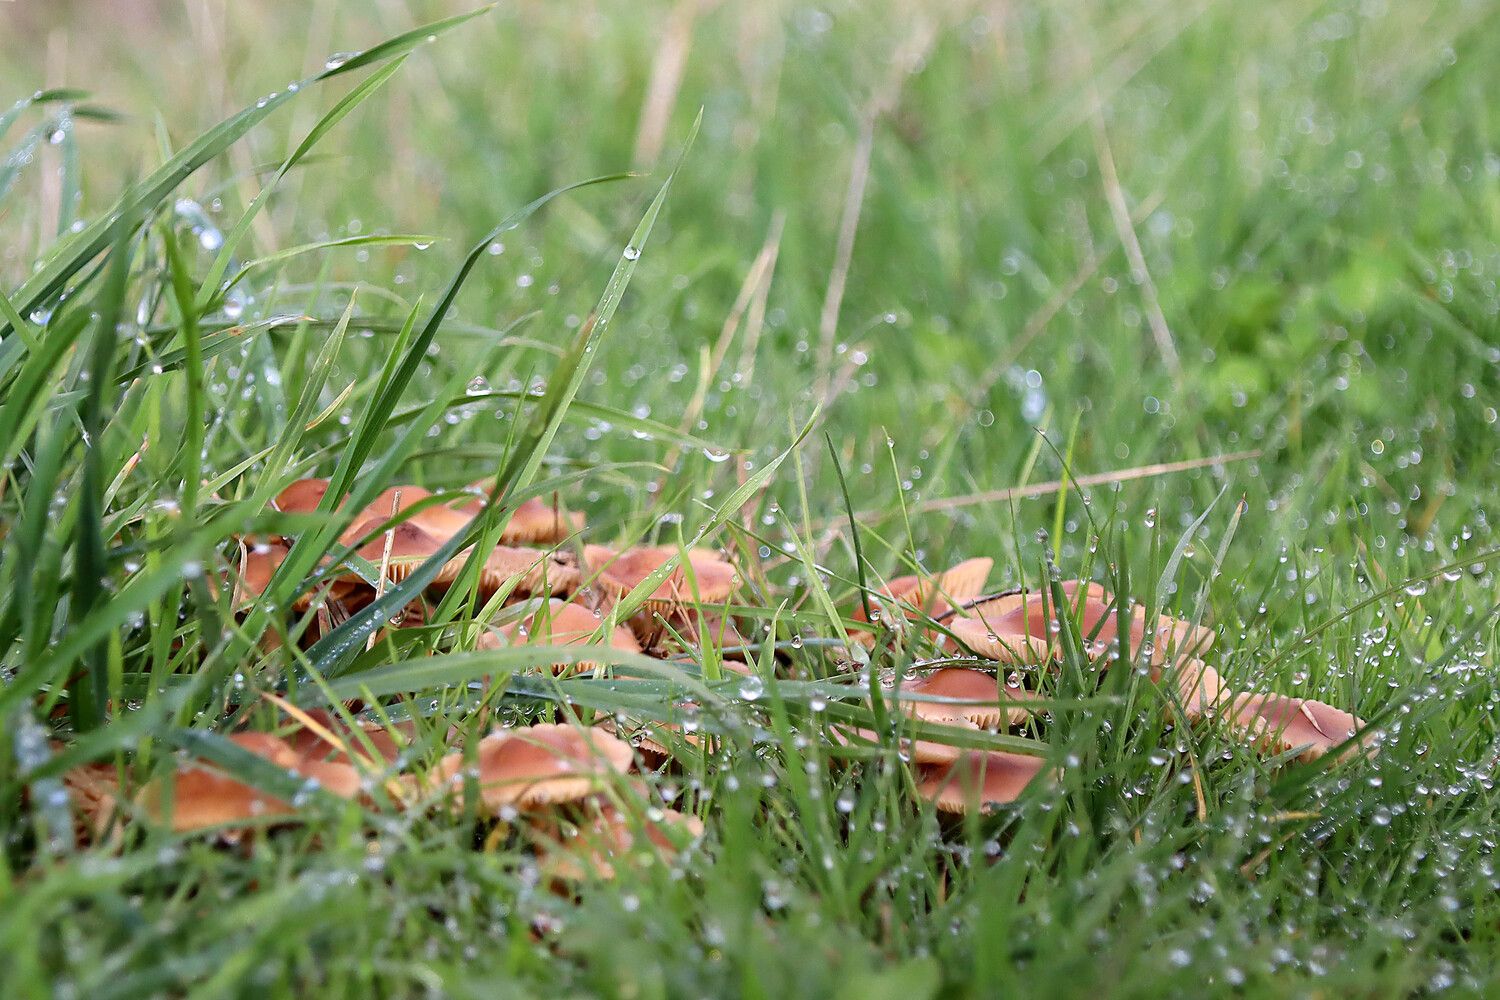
point(1297, 201)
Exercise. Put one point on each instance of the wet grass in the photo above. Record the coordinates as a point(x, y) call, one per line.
point(1089, 240)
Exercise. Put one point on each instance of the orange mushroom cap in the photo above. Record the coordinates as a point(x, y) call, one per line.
point(535, 521)
point(301, 497)
point(560, 623)
point(203, 797)
point(540, 765)
point(334, 740)
point(1021, 628)
point(606, 835)
point(917, 751)
point(931, 595)
point(980, 779)
point(708, 576)
point(1283, 723)
point(979, 689)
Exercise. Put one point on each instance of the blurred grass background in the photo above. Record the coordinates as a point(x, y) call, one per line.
point(1311, 188)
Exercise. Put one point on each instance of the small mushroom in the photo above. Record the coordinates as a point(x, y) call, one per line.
point(94, 790)
point(918, 751)
point(301, 497)
point(910, 595)
point(1198, 687)
point(1022, 627)
point(708, 578)
point(560, 623)
point(695, 626)
point(1282, 723)
point(979, 780)
point(539, 765)
point(977, 695)
point(535, 522)
point(203, 797)
point(327, 737)
point(604, 834)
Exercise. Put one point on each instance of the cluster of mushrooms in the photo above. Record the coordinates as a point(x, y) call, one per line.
point(577, 787)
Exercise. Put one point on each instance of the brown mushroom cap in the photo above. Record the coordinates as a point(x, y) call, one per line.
point(540, 765)
point(535, 521)
point(1198, 687)
point(560, 623)
point(695, 625)
point(980, 779)
point(606, 835)
point(707, 578)
point(1282, 723)
point(1021, 628)
point(333, 740)
point(959, 584)
point(965, 685)
point(94, 790)
point(915, 750)
point(301, 497)
point(203, 797)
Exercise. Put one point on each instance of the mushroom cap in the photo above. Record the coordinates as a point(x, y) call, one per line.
point(540, 765)
point(527, 572)
point(301, 497)
point(203, 797)
point(1198, 687)
point(915, 750)
point(1021, 628)
point(1282, 723)
point(560, 623)
point(536, 521)
point(695, 625)
point(94, 790)
point(606, 835)
point(973, 686)
point(712, 577)
point(979, 779)
point(376, 743)
point(931, 595)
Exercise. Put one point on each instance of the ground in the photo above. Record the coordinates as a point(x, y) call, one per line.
point(1198, 300)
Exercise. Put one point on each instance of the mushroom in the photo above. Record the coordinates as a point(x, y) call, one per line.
point(94, 790)
point(326, 737)
point(203, 797)
point(692, 625)
point(707, 578)
point(1282, 723)
point(604, 835)
point(979, 780)
point(1198, 687)
point(301, 497)
point(974, 696)
point(918, 751)
point(539, 765)
point(910, 595)
point(533, 521)
point(1021, 628)
point(560, 623)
